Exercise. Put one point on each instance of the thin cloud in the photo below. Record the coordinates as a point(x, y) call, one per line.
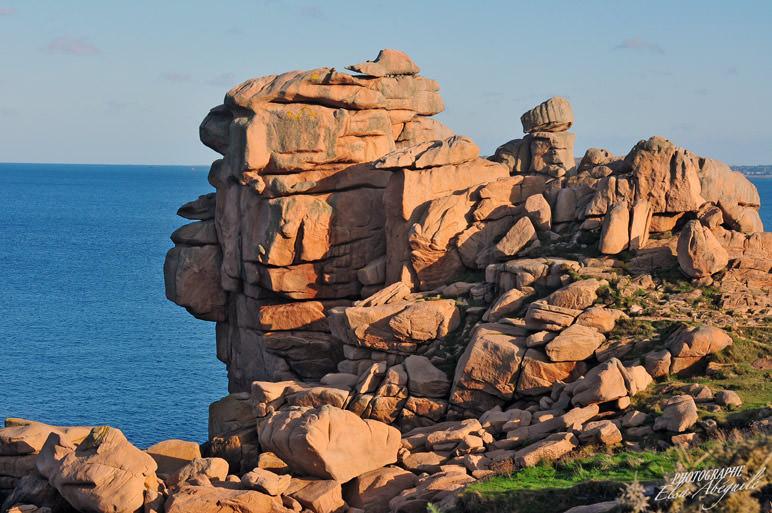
point(311, 11)
point(176, 76)
point(225, 79)
point(7, 112)
point(7, 11)
point(639, 45)
point(732, 70)
point(72, 46)
point(701, 92)
point(2, 81)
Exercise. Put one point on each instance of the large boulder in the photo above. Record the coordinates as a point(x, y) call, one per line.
point(665, 175)
point(543, 316)
point(171, 455)
point(552, 154)
point(679, 414)
point(400, 326)
point(487, 371)
point(539, 373)
point(575, 343)
point(515, 239)
point(551, 448)
point(192, 278)
point(105, 473)
point(690, 346)
point(328, 442)
point(578, 295)
point(424, 379)
point(699, 252)
point(207, 499)
point(23, 437)
point(615, 236)
point(373, 490)
point(605, 382)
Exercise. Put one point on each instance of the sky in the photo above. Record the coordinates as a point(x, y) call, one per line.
point(128, 82)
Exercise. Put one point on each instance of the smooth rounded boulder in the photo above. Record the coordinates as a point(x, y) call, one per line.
point(328, 442)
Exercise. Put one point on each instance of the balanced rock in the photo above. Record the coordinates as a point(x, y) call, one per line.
point(553, 115)
point(543, 316)
point(509, 302)
point(328, 442)
point(699, 252)
point(192, 277)
point(539, 373)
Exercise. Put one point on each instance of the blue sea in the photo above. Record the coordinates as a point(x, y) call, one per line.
point(87, 334)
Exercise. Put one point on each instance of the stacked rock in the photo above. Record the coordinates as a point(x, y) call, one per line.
point(296, 214)
point(547, 148)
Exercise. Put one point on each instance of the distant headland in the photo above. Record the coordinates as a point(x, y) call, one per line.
point(754, 170)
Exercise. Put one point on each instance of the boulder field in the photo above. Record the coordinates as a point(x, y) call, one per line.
point(400, 316)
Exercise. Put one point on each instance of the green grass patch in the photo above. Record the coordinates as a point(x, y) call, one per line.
point(621, 466)
point(556, 486)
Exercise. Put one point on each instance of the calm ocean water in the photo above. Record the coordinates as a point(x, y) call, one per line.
point(87, 334)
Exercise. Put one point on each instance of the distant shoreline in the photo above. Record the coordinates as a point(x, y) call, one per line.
point(755, 171)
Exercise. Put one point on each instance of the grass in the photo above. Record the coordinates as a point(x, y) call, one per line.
point(556, 486)
point(586, 479)
point(621, 466)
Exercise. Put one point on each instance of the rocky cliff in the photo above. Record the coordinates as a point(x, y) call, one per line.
point(400, 316)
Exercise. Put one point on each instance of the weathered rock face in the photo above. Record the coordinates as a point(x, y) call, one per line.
point(329, 442)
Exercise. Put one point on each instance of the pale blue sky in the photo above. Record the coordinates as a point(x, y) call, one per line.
point(96, 81)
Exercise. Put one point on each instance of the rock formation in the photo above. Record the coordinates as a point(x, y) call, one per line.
point(399, 315)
